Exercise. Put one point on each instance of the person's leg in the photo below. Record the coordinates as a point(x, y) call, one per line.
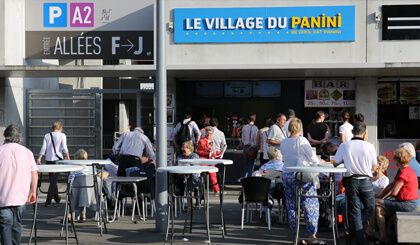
point(311, 209)
point(289, 191)
point(17, 223)
point(6, 224)
point(367, 199)
point(353, 210)
point(52, 189)
point(213, 181)
point(246, 162)
point(380, 212)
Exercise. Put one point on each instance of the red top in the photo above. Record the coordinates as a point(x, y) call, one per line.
point(203, 148)
point(409, 191)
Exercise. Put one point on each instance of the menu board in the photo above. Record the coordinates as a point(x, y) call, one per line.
point(238, 89)
point(409, 93)
point(387, 93)
point(330, 93)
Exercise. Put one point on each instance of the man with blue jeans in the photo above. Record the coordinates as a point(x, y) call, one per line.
point(359, 159)
point(18, 178)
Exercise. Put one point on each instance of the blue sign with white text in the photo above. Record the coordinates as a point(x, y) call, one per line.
point(276, 24)
point(55, 14)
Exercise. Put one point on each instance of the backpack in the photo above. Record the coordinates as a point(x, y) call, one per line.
point(183, 134)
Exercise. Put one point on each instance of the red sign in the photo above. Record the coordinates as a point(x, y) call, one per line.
point(235, 118)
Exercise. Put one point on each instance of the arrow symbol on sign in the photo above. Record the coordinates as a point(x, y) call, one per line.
point(131, 45)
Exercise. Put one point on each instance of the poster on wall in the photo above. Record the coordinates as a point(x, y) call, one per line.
point(387, 93)
point(409, 93)
point(330, 93)
point(413, 112)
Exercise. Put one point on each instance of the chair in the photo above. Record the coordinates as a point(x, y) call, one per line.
point(255, 190)
point(145, 189)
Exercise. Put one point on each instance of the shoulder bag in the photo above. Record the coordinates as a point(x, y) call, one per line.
point(303, 161)
point(252, 152)
point(55, 151)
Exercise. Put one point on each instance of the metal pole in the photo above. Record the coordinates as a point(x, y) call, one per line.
point(161, 137)
point(138, 101)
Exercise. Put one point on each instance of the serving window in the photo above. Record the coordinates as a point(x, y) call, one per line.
point(398, 109)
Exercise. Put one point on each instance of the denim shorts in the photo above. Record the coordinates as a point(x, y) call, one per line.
point(400, 206)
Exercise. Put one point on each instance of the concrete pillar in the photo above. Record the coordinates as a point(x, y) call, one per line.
point(367, 104)
point(123, 117)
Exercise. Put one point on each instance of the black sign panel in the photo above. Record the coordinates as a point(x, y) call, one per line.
point(401, 22)
point(136, 45)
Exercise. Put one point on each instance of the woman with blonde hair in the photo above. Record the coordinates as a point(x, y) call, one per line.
point(289, 148)
point(380, 180)
point(82, 197)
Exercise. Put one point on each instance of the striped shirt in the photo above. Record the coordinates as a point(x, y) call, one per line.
point(133, 144)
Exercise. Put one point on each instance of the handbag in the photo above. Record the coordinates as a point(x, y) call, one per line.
point(306, 176)
point(52, 140)
point(252, 152)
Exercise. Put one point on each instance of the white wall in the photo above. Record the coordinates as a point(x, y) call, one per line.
point(267, 53)
point(388, 51)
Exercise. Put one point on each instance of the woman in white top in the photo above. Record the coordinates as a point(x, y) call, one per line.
point(249, 139)
point(346, 128)
point(53, 149)
point(262, 139)
point(379, 180)
point(289, 148)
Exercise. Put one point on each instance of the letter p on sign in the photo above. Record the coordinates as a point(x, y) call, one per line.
point(55, 14)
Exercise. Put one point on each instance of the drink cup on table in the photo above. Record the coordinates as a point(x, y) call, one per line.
point(332, 159)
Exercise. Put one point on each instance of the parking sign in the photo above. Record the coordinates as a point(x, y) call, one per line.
point(55, 14)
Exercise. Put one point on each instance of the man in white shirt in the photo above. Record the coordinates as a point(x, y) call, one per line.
point(359, 159)
point(276, 134)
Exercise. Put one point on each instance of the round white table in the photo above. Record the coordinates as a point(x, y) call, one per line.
point(332, 191)
point(127, 181)
point(186, 170)
point(52, 168)
point(99, 164)
point(223, 162)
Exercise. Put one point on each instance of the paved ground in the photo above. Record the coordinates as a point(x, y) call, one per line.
point(124, 231)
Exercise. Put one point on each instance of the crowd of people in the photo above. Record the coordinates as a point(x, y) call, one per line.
point(368, 201)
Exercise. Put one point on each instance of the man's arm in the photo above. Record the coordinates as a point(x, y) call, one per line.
point(34, 184)
point(273, 142)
